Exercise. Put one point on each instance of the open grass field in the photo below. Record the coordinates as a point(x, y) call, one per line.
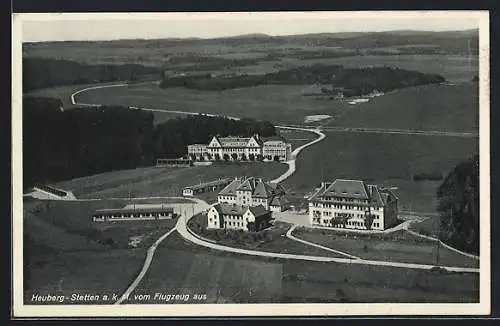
point(164, 181)
point(399, 247)
point(389, 160)
point(430, 107)
point(83, 272)
point(296, 137)
point(429, 227)
point(300, 281)
point(326, 282)
point(276, 103)
point(220, 279)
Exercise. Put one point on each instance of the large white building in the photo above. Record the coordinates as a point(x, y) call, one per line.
point(242, 148)
point(353, 204)
point(250, 191)
point(237, 217)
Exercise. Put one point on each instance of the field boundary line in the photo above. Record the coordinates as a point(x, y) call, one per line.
point(312, 244)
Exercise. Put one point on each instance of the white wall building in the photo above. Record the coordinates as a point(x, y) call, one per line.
point(347, 203)
point(252, 191)
point(276, 148)
point(242, 148)
point(237, 217)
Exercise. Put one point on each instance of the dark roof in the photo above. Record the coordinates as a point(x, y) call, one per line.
point(230, 209)
point(239, 210)
point(258, 210)
point(52, 190)
point(375, 198)
point(230, 189)
point(348, 188)
point(356, 189)
point(279, 201)
point(258, 187)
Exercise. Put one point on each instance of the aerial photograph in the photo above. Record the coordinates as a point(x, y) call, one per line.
point(250, 159)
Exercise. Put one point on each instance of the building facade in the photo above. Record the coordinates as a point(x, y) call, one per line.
point(353, 204)
point(272, 149)
point(237, 217)
point(241, 148)
point(250, 191)
point(134, 212)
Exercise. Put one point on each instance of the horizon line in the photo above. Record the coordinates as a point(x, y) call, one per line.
point(255, 34)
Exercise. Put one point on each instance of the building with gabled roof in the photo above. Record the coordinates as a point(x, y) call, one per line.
point(242, 148)
point(251, 191)
point(353, 204)
point(238, 217)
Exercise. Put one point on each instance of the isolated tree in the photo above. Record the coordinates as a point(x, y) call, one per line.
point(369, 221)
point(243, 157)
point(260, 157)
point(209, 156)
point(226, 157)
point(234, 156)
point(458, 206)
point(217, 157)
point(276, 158)
point(340, 220)
point(193, 157)
point(251, 157)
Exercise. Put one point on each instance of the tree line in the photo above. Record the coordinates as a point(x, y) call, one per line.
point(61, 145)
point(43, 72)
point(352, 81)
point(458, 206)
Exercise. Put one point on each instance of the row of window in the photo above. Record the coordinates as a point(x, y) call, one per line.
point(349, 223)
point(347, 200)
point(239, 224)
point(226, 197)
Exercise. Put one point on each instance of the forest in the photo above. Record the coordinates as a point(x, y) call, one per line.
point(458, 205)
point(352, 81)
point(65, 144)
point(43, 73)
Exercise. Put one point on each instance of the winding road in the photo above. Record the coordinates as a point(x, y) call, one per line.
point(182, 229)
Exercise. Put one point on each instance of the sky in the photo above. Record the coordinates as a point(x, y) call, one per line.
point(96, 26)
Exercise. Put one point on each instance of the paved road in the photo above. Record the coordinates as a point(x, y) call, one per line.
point(292, 162)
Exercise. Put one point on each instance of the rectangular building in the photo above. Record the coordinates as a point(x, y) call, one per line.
point(353, 204)
point(242, 149)
point(237, 217)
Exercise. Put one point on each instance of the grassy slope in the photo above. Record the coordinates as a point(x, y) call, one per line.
point(71, 262)
point(300, 281)
point(410, 250)
point(435, 107)
point(276, 103)
point(382, 159)
point(222, 279)
point(164, 181)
